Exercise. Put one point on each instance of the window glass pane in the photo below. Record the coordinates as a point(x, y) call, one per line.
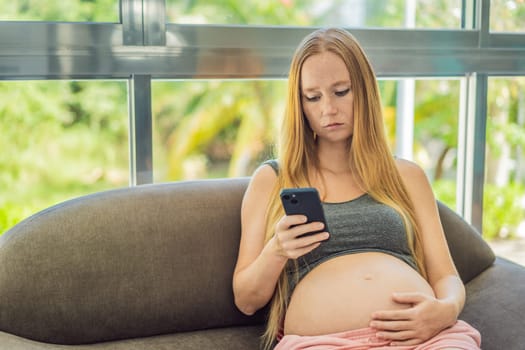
point(207, 129)
point(60, 139)
point(507, 15)
point(504, 194)
point(433, 105)
point(59, 10)
point(355, 13)
point(211, 129)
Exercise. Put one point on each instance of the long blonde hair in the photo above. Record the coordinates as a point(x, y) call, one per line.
point(369, 157)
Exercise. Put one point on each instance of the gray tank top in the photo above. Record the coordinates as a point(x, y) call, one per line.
point(355, 226)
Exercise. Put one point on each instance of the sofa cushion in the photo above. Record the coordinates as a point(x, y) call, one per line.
point(470, 252)
point(125, 263)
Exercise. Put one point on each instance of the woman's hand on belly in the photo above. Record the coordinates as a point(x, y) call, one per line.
point(425, 317)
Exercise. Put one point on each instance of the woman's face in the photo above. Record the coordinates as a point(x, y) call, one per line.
point(327, 98)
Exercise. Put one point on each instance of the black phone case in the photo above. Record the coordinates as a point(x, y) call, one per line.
point(304, 201)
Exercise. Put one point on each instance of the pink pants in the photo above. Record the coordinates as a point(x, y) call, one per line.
point(460, 336)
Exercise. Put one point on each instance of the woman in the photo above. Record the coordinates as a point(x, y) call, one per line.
point(382, 274)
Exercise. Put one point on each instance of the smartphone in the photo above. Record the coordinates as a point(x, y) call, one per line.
point(304, 201)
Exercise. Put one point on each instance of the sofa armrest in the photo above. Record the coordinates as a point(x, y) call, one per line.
point(125, 263)
point(471, 254)
point(495, 305)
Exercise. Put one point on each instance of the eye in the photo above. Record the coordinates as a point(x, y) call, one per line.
point(342, 92)
point(312, 98)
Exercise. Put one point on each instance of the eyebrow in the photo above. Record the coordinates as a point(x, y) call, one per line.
point(337, 83)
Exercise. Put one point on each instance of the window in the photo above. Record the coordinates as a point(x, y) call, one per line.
point(225, 128)
point(214, 128)
point(349, 13)
point(218, 128)
point(504, 194)
point(507, 15)
point(58, 10)
point(60, 139)
point(421, 117)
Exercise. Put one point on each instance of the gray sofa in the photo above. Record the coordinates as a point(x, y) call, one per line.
point(150, 267)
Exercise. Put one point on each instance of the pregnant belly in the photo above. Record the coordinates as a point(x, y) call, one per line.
point(341, 293)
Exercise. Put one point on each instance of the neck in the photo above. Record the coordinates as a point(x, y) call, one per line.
point(333, 159)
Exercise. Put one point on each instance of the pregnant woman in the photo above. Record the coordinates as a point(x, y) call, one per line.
point(380, 275)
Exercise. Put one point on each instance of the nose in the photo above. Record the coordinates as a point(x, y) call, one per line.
point(328, 106)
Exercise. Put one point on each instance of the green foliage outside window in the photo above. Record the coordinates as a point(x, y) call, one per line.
point(60, 139)
point(59, 10)
point(52, 131)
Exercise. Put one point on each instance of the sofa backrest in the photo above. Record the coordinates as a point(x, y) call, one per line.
point(125, 263)
point(144, 260)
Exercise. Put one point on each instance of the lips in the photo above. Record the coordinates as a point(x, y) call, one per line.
point(332, 125)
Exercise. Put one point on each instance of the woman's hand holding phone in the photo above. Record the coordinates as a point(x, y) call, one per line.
point(303, 228)
point(292, 236)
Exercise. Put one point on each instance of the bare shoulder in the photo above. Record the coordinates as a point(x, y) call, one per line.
point(261, 184)
point(412, 174)
point(263, 178)
point(416, 182)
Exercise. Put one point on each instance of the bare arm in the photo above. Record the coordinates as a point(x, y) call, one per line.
point(442, 274)
point(259, 265)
